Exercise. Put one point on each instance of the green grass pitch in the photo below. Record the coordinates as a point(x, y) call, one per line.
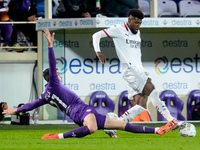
point(19, 137)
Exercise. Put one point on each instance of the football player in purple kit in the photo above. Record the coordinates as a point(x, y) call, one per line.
point(58, 95)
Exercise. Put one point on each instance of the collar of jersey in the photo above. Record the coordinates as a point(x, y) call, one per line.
point(126, 26)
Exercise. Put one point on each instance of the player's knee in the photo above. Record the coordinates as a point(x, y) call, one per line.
point(92, 129)
point(149, 87)
point(143, 105)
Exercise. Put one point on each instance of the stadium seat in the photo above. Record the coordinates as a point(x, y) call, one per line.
point(145, 6)
point(6, 2)
point(189, 8)
point(173, 103)
point(193, 99)
point(101, 102)
point(124, 103)
point(176, 1)
point(167, 8)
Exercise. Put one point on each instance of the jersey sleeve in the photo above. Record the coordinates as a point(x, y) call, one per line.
point(30, 106)
point(53, 77)
point(112, 32)
point(96, 37)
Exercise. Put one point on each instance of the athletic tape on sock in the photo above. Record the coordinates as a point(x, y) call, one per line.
point(160, 105)
point(131, 113)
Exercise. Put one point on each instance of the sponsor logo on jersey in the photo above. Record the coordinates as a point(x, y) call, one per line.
point(133, 43)
point(88, 110)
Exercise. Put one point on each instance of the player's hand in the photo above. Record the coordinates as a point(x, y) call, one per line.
point(86, 15)
point(32, 18)
point(101, 57)
point(10, 111)
point(49, 37)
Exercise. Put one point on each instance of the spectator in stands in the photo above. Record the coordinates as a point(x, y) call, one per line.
point(5, 29)
point(73, 9)
point(23, 10)
point(41, 8)
point(118, 8)
point(3, 106)
point(93, 10)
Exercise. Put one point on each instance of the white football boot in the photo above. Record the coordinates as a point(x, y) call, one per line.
point(180, 124)
point(111, 133)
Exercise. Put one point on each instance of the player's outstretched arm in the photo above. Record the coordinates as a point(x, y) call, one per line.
point(49, 37)
point(96, 40)
point(10, 111)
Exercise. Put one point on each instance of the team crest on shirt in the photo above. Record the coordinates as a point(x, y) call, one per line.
point(88, 110)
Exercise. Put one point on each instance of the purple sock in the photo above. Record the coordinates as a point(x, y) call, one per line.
point(8, 34)
point(78, 132)
point(138, 129)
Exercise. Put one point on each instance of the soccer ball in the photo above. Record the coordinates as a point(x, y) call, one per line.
point(187, 130)
point(111, 115)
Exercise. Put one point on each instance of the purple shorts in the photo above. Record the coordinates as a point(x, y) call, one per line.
point(79, 112)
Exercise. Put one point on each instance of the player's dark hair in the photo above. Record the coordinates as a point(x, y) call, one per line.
point(46, 74)
point(136, 13)
point(1, 110)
